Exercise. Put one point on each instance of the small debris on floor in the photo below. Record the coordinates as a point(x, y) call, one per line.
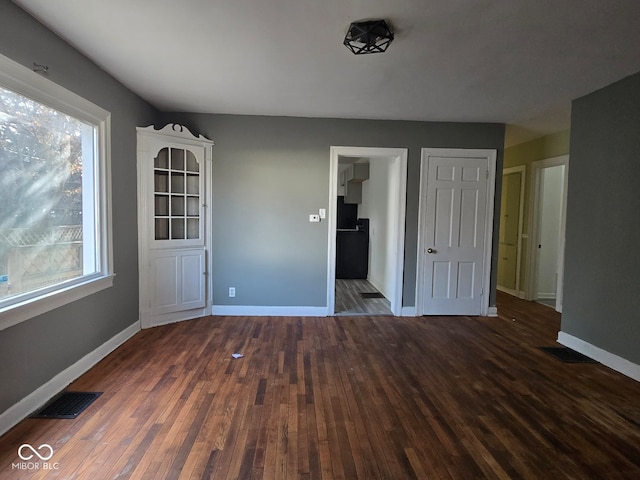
point(237, 355)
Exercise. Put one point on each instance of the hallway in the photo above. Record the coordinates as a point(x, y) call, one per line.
point(359, 297)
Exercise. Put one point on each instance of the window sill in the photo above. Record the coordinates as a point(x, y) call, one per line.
point(19, 312)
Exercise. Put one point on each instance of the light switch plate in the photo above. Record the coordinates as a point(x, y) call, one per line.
point(323, 213)
point(314, 218)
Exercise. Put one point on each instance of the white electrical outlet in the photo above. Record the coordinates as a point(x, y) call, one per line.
point(314, 218)
point(232, 291)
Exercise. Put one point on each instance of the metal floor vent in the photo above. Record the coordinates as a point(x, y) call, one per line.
point(67, 405)
point(567, 355)
point(371, 295)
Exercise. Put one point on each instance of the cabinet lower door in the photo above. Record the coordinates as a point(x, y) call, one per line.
point(177, 281)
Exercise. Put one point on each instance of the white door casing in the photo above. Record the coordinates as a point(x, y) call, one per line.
point(455, 231)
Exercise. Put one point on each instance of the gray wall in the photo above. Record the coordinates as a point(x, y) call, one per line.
point(270, 173)
point(602, 266)
point(34, 351)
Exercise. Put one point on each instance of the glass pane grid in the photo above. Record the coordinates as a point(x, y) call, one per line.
point(177, 195)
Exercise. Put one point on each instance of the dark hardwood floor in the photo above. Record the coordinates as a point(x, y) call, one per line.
point(345, 398)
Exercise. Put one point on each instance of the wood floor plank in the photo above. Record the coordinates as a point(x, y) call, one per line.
point(355, 397)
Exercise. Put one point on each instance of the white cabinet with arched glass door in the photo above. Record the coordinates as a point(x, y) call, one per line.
point(173, 194)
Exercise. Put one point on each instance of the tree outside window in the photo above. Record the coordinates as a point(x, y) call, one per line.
point(43, 205)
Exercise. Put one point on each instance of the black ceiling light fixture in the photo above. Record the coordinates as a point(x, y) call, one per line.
point(371, 36)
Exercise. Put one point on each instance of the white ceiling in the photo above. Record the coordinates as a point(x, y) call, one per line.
point(519, 62)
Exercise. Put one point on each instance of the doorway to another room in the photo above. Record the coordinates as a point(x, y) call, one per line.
point(546, 252)
point(366, 231)
point(511, 234)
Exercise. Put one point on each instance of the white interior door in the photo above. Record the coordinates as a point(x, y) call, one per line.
point(549, 224)
point(548, 208)
point(455, 224)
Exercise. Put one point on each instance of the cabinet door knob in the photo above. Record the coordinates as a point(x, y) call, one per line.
point(430, 250)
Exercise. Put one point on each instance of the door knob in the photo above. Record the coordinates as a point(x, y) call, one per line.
point(430, 250)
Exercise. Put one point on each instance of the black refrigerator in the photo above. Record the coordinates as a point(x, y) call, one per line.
point(352, 243)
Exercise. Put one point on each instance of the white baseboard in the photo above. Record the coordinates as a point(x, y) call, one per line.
point(269, 311)
point(507, 290)
point(546, 296)
point(515, 293)
point(609, 359)
point(413, 312)
point(39, 397)
point(408, 312)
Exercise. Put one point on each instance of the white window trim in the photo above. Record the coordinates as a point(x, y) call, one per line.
point(25, 82)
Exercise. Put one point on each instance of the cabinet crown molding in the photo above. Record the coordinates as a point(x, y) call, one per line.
point(174, 130)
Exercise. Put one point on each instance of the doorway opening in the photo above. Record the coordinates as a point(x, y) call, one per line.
point(511, 231)
point(546, 251)
point(366, 230)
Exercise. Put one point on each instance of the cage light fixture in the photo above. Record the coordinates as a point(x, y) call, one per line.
point(371, 36)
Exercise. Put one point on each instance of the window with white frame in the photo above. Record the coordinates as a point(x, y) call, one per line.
point(54, 179)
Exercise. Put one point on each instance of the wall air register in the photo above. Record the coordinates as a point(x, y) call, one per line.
point(567, 355)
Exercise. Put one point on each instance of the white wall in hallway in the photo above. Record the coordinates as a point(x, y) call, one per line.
point(377, 203)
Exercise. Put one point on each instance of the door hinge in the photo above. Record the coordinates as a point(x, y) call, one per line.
point(486, 174)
